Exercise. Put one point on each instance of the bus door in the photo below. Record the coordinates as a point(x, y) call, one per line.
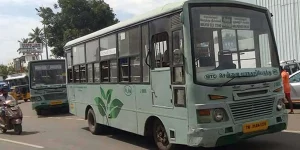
point(160, 72)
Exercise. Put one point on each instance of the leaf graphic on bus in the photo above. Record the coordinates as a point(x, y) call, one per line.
point(103, 93)
point(101, 106)
point(115, 108)
point(108, 96)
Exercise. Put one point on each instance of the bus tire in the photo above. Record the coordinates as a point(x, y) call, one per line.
point(161, 137)
point(38, 112)
point(94, 127)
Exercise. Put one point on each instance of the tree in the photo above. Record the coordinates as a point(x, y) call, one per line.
point(76, 18)
point(24, 40)
point(36, 36)
point(6, 70)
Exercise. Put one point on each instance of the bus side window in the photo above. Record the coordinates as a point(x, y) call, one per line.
point(161, 51)
point(69, 66)
point(129, 55)
point(145, 48)
point(177, 57)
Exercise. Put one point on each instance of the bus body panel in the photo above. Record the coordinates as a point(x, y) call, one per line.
point(140, 102)
point(136, 108)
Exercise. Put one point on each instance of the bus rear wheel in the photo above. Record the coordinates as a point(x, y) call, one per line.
point(94, 127)
point(161, 137)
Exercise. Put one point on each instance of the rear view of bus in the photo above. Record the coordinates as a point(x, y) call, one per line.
point(236, 93)
point(48, 85)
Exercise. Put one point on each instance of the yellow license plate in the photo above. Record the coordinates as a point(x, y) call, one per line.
point(58, 102)
point(257, 126)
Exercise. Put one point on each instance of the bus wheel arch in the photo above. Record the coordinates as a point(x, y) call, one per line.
point(148, 129)
point(86, 111)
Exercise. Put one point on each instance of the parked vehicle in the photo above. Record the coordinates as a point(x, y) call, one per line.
point(295, 88)
point(13, 117)
point(291, 66)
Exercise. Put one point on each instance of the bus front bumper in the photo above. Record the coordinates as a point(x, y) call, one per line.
point(46, 106)
point(215, 137)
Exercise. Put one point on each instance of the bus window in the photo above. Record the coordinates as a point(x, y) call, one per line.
point(161, 52)
point(113, 71)
point(145, 49)
point(177, 57)
point(96, 73)
point(104, 71)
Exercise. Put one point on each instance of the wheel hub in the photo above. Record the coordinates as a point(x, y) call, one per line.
point(161, 135)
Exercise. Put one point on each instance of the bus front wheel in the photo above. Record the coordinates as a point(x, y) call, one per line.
point(94, 127)
point(38, 112)
point(161, 137)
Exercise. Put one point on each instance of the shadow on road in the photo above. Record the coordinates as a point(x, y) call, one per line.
point(54, 114)
point(24, 133)
point(277, 141)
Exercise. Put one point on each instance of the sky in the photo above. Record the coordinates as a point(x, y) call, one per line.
point(19, 17)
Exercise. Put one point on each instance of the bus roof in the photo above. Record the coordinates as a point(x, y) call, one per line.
point(46, 60)
point(168, 8)
point(19, 76)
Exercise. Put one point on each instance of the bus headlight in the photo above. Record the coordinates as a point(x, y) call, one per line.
point(218, 115)
point(36, 99)
point(280, 105)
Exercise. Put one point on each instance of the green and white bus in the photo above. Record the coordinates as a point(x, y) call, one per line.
point(193, 73)
point(47, 84)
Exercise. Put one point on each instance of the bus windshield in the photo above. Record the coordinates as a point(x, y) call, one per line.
point(229, 42)
point(47, 73)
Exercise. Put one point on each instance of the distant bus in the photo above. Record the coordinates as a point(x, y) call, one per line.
point(17, 79)
point(48, 85)
point(194, 73)
point(18, 84)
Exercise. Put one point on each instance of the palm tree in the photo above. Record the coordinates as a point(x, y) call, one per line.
point(37, 35)
point(24, 40)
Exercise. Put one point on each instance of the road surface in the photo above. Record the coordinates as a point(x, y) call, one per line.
point(67, 132)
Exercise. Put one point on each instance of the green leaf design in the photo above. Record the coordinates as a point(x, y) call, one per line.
point(108, 95)
point(101, 106)
point(103, 93)
point(115, 108)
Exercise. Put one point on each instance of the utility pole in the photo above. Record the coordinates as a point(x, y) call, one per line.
point(46, 42)
point(45, 36)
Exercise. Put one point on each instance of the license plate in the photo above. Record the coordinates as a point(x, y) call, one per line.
point(257, 126)
point(58, 102)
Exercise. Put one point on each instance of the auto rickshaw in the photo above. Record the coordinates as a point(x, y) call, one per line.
point(24, 91)
point(15, 93)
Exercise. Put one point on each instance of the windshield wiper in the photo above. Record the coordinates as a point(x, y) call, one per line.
point(234, 78)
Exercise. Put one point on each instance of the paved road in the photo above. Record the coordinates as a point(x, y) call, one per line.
point(66, 132)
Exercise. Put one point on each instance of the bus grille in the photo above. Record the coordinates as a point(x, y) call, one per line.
point(252, 109)
point(56, 96)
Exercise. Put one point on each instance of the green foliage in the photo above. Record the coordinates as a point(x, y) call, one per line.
point(109, 109)
point(24, 40)
point(6, 70)
point(37, 36)
point(76, 18)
